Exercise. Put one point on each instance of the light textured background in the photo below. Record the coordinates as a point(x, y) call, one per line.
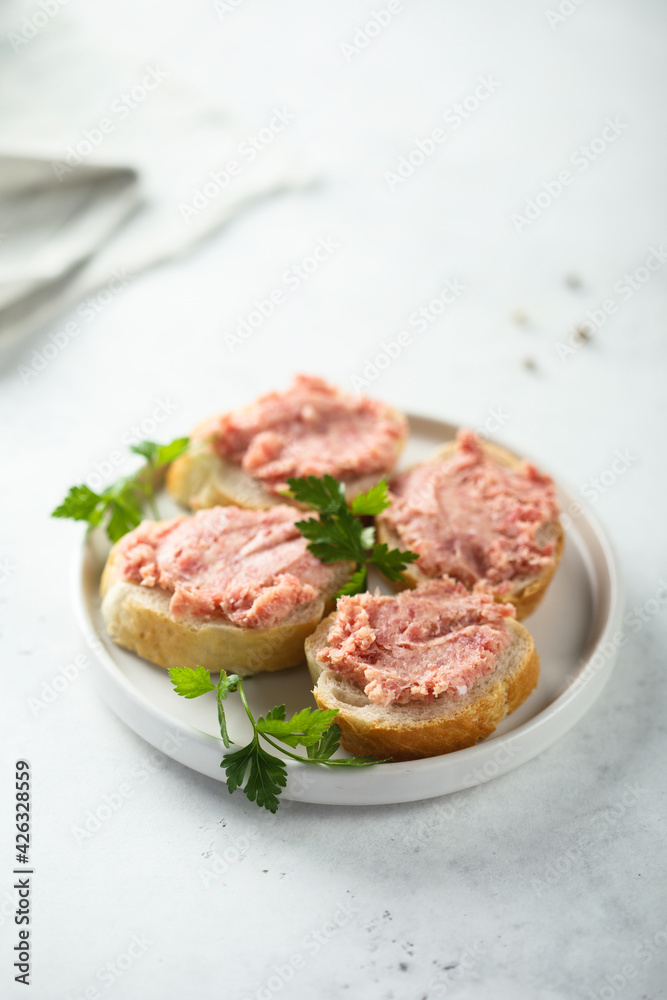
point(500, 898)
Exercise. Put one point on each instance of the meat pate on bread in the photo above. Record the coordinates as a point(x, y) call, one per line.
point(310, 429)
point(423, 672)
point(476, 512)
point(226, 588)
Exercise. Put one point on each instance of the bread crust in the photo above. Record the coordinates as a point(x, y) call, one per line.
point(527, 593)
point(417, 730)
point(138, 619)
point(200, 478)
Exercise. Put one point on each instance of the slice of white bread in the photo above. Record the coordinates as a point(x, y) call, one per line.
point(526, 592)
point(201, 478)
point(425, 729)
point(139, 619)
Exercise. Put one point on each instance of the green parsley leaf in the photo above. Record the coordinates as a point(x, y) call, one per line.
point(374, 501)
point(327, 746)
point(121, 502)
point(326, 495)
point(355, 585)
point(189, 682)
point(335, 537)
point(391, 562)
point(266, 778)
point(339, 534)
point(124, 506)
point(160, 454)
point(303, 729)
point(81, 504)
point(146, 448)
point(167, 453)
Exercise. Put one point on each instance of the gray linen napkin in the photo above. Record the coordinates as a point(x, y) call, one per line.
point(109, 165)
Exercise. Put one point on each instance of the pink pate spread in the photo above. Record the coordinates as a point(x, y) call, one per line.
point(416, 645)
point(310, 430)
point(251, 566)
point(472, 518)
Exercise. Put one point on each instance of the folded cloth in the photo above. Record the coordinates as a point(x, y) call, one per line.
point(55, 226)
point(107, 166)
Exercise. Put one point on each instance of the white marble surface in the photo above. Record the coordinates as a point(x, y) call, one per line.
point(549, 882)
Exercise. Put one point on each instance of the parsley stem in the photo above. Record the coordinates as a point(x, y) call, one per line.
point(294, 756)
point(146, 487)
point(247, 707)
point(153, 506)
point(346, 762)
point(311, 760)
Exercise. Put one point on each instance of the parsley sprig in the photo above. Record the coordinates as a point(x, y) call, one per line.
point(340, 534)
point(121, 503)
point(265, 775)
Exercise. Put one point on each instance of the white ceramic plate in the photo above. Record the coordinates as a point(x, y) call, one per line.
point(576, 661)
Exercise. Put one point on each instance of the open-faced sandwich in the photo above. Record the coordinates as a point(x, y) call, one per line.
point(422, 672)
point(227, 589)
point(311, 429)
point(477, 513)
